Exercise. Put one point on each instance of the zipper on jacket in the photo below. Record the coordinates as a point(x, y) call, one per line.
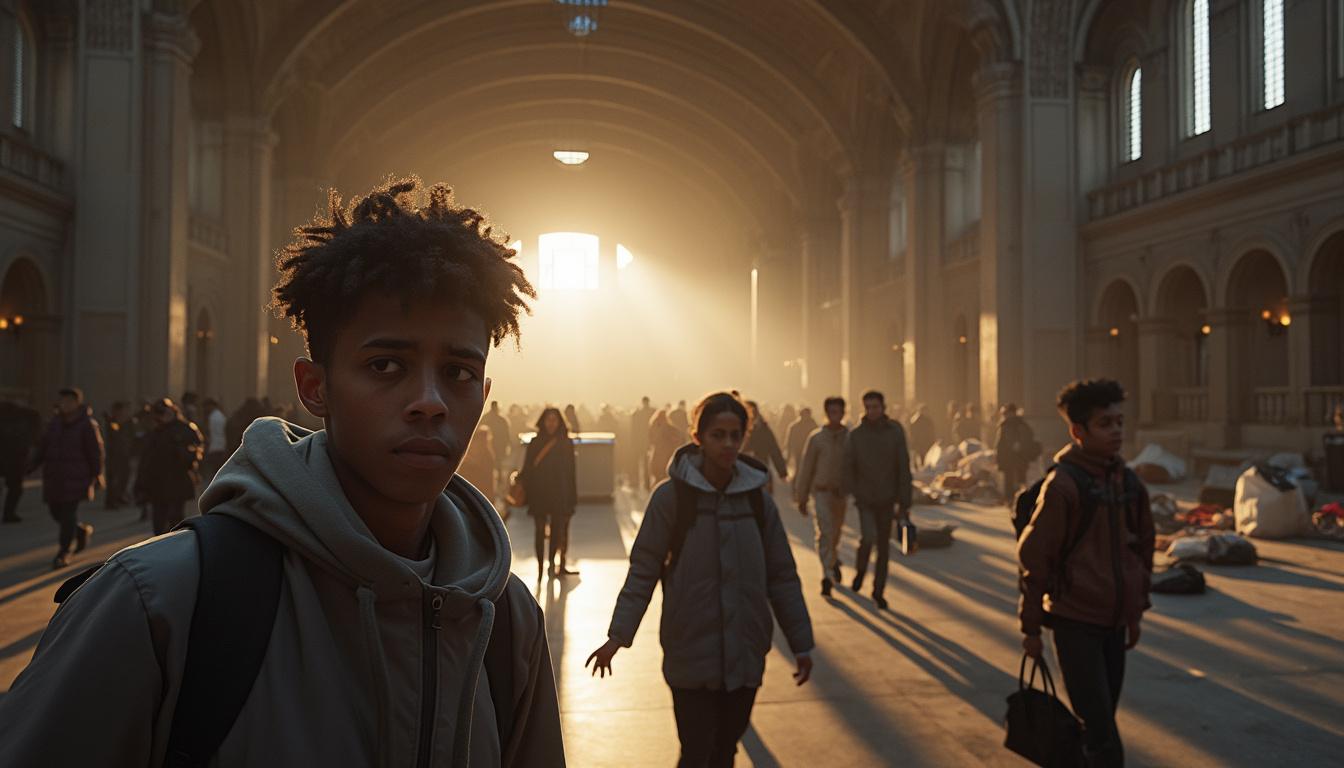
point(1117, 568)
point(429, 686)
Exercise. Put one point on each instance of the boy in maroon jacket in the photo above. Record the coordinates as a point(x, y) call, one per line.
point(1086, 560)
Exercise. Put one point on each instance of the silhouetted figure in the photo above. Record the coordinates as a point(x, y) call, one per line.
point(953, 417)
point(251, 410)
point(795, 439)
point(821, 476)
point(1015, 447)
point(167, 474)
point(664, 440)
point(20, 429)
point(479, 463)
point(877, 472)
point(501, 442)
point(548, 476)
point(572, 420)
point(118, 441)
point(762, 444)
point(71, 457)
point(639, 443)
point(680, 419)
point(216, 434)
point(923, 433)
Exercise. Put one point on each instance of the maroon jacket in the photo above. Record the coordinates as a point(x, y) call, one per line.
point(71, 457)
point(1108, 575)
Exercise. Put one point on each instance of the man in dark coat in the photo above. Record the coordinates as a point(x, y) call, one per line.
point(795, 440)
point(167, 474)
point(1015, 447)
point(117, 433)
point(71, 458)
point(877, 473)
point(923, 433)
point(20, 427)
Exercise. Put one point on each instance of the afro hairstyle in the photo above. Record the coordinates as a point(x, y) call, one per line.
point(1080, 399)
point(399, 240)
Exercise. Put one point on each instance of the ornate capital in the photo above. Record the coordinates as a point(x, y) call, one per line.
point(171, 34)
point(107, 25)
point(1001, 80)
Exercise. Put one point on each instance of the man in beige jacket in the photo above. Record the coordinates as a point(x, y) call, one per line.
point(391, 569)
point(822, 477)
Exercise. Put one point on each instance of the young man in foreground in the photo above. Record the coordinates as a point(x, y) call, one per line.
point(392, 568)
point(1086, 563)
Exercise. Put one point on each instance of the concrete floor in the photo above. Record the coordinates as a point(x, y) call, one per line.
point(1249, 674)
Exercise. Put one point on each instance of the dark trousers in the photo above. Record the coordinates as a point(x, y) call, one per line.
point(875, 528)
point(66, 520)
point(165, 515)
point(1013, 480)
point(118, 477)
point(710, 723)
point(559, 536)
point(1092, 663)
point(13, 474)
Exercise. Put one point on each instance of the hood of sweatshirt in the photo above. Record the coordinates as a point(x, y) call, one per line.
point(1097, 466)
point(281, 481)
point(686, 466)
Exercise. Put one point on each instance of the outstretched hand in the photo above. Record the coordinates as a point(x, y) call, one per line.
point(804, 672)
point(601, 658)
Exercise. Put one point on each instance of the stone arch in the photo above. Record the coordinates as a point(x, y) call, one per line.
point(1322, 301)
point(1113, 343)
point(29, 342)
point(1268, 244)
point(1256, 298)
point(1180, 326)
point(1107, 290)
point(23, 289)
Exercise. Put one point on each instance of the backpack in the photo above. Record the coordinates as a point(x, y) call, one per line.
point(1090, 498)
point(236, 602)
point(686, 511)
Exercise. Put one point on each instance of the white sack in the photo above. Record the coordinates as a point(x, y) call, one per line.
point(1265, 512)
point(1157, 455)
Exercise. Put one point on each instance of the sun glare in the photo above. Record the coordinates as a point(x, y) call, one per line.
point(568, 261)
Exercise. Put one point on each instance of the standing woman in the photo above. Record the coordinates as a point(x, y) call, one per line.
point(664, 440)
point(547, 476)
point(728, 566)
point(166, 478)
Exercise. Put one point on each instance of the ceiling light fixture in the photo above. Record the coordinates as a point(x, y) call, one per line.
point(570, 156)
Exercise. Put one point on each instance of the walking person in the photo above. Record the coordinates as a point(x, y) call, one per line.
point(572, 421)
point(821, 475)
point(795, 439)
point(548, 477)
point(216, 439)
point(117, 442)
point(763, 446)
point(1094, 509)
point(664, 440)
point(501, 442)
point(479, 463)
point(877, 471)
point(923, 433)
point(715, 540)
point(639, 443)
point(20, 428)
point(167, 475)
point(71, 457)
point(1015, 447)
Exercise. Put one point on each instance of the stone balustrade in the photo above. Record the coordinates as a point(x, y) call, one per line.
point(23, 159)
point(208, 233)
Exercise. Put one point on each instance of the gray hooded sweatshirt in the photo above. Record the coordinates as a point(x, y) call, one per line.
point(716, 626)
point(345, 680)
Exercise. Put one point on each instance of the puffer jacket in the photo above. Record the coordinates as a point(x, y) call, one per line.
point(1105, 580)
point(717, 601)
point(877, 463)
point(71, 456)
point(168, 464)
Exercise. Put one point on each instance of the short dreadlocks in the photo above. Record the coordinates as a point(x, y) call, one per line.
point(387, 242)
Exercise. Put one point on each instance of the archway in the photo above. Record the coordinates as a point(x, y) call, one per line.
point(1257, 296)
point(1325, 306)
point(1114, 343)
point(1183, 349)
point(29, 348)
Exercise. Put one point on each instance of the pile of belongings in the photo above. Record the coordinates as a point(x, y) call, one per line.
point(1179, 579)
point(1165, 512)
point(1270, 505)
point(939, 459)
point(1329, 521)
point(1294, 468)
point(1171, 522)
point(926, 495)
point(930, 537)
point(1154, 464)
point(972, 476)
point(1215, 548)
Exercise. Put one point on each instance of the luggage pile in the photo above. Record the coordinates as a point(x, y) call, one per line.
point(1329, 521)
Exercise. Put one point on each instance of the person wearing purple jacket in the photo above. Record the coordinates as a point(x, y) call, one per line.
point(71, 458)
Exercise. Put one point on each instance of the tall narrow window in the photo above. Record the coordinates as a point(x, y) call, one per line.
point(18, 86)
point(1273, 47)
point(1197, 42)
point(1134, 115)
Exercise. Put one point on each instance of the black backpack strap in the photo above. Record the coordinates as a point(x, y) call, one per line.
point(686, 499)
point(499, 667)
point(757, 500)
point(236, 602)
point(1088, 500)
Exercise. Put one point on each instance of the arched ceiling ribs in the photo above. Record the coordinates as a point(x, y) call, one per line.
point(601, 89)
point(748, 170)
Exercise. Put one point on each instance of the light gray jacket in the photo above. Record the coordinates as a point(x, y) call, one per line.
point(717, 600)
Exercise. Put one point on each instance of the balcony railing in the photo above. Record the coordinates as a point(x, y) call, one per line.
point(1293, 137)
point(23, 159)
point(1269, 405)
point(966, 246)
point(208, 233)
point(1192, 404)
point(1319, 404)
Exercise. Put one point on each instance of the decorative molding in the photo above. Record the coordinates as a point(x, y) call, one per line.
point(107, 25)
point(171, 34)
point(1050, 60)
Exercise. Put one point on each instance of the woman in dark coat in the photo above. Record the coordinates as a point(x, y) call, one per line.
point(167, 474)
point(548, 478)
point(71, 455)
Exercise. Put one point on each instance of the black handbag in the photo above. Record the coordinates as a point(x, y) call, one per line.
point(1039, 726)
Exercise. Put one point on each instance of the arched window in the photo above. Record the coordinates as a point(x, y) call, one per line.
point(21, 87)
point(1271, 40)
point(1132, 115)
point(1196, 46)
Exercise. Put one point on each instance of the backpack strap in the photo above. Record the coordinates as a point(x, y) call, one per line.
point(1089, 498)
point(499, 667)
point(236, 602)
point(685, 500)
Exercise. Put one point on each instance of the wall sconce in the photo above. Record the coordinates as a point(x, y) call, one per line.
point(1205, 330)
point(1114, 332)
point(962, 339)
point(206, 335)
point(1276, 321)
point(15, 322)
point(274, 340)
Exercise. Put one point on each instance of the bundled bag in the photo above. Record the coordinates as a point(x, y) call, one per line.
point(1180, 579)
point(1231, 549)
point(1269, 506)
point(1039, 727)
point(937, 538)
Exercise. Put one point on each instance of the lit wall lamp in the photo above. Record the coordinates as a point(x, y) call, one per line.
point(205, 335)
point(274, 341)
point(1276, 322)
point(14, 323)
point(1114, 332)
point(962, 339)
point(1205, 330)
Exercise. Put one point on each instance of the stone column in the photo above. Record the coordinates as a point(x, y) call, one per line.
point(169, 45)
point(864, 232)
point(999, 104)
point(248, 144)
point(927, 342)
point(1153, 335)
point(1227, 384)
point(1300, 309)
